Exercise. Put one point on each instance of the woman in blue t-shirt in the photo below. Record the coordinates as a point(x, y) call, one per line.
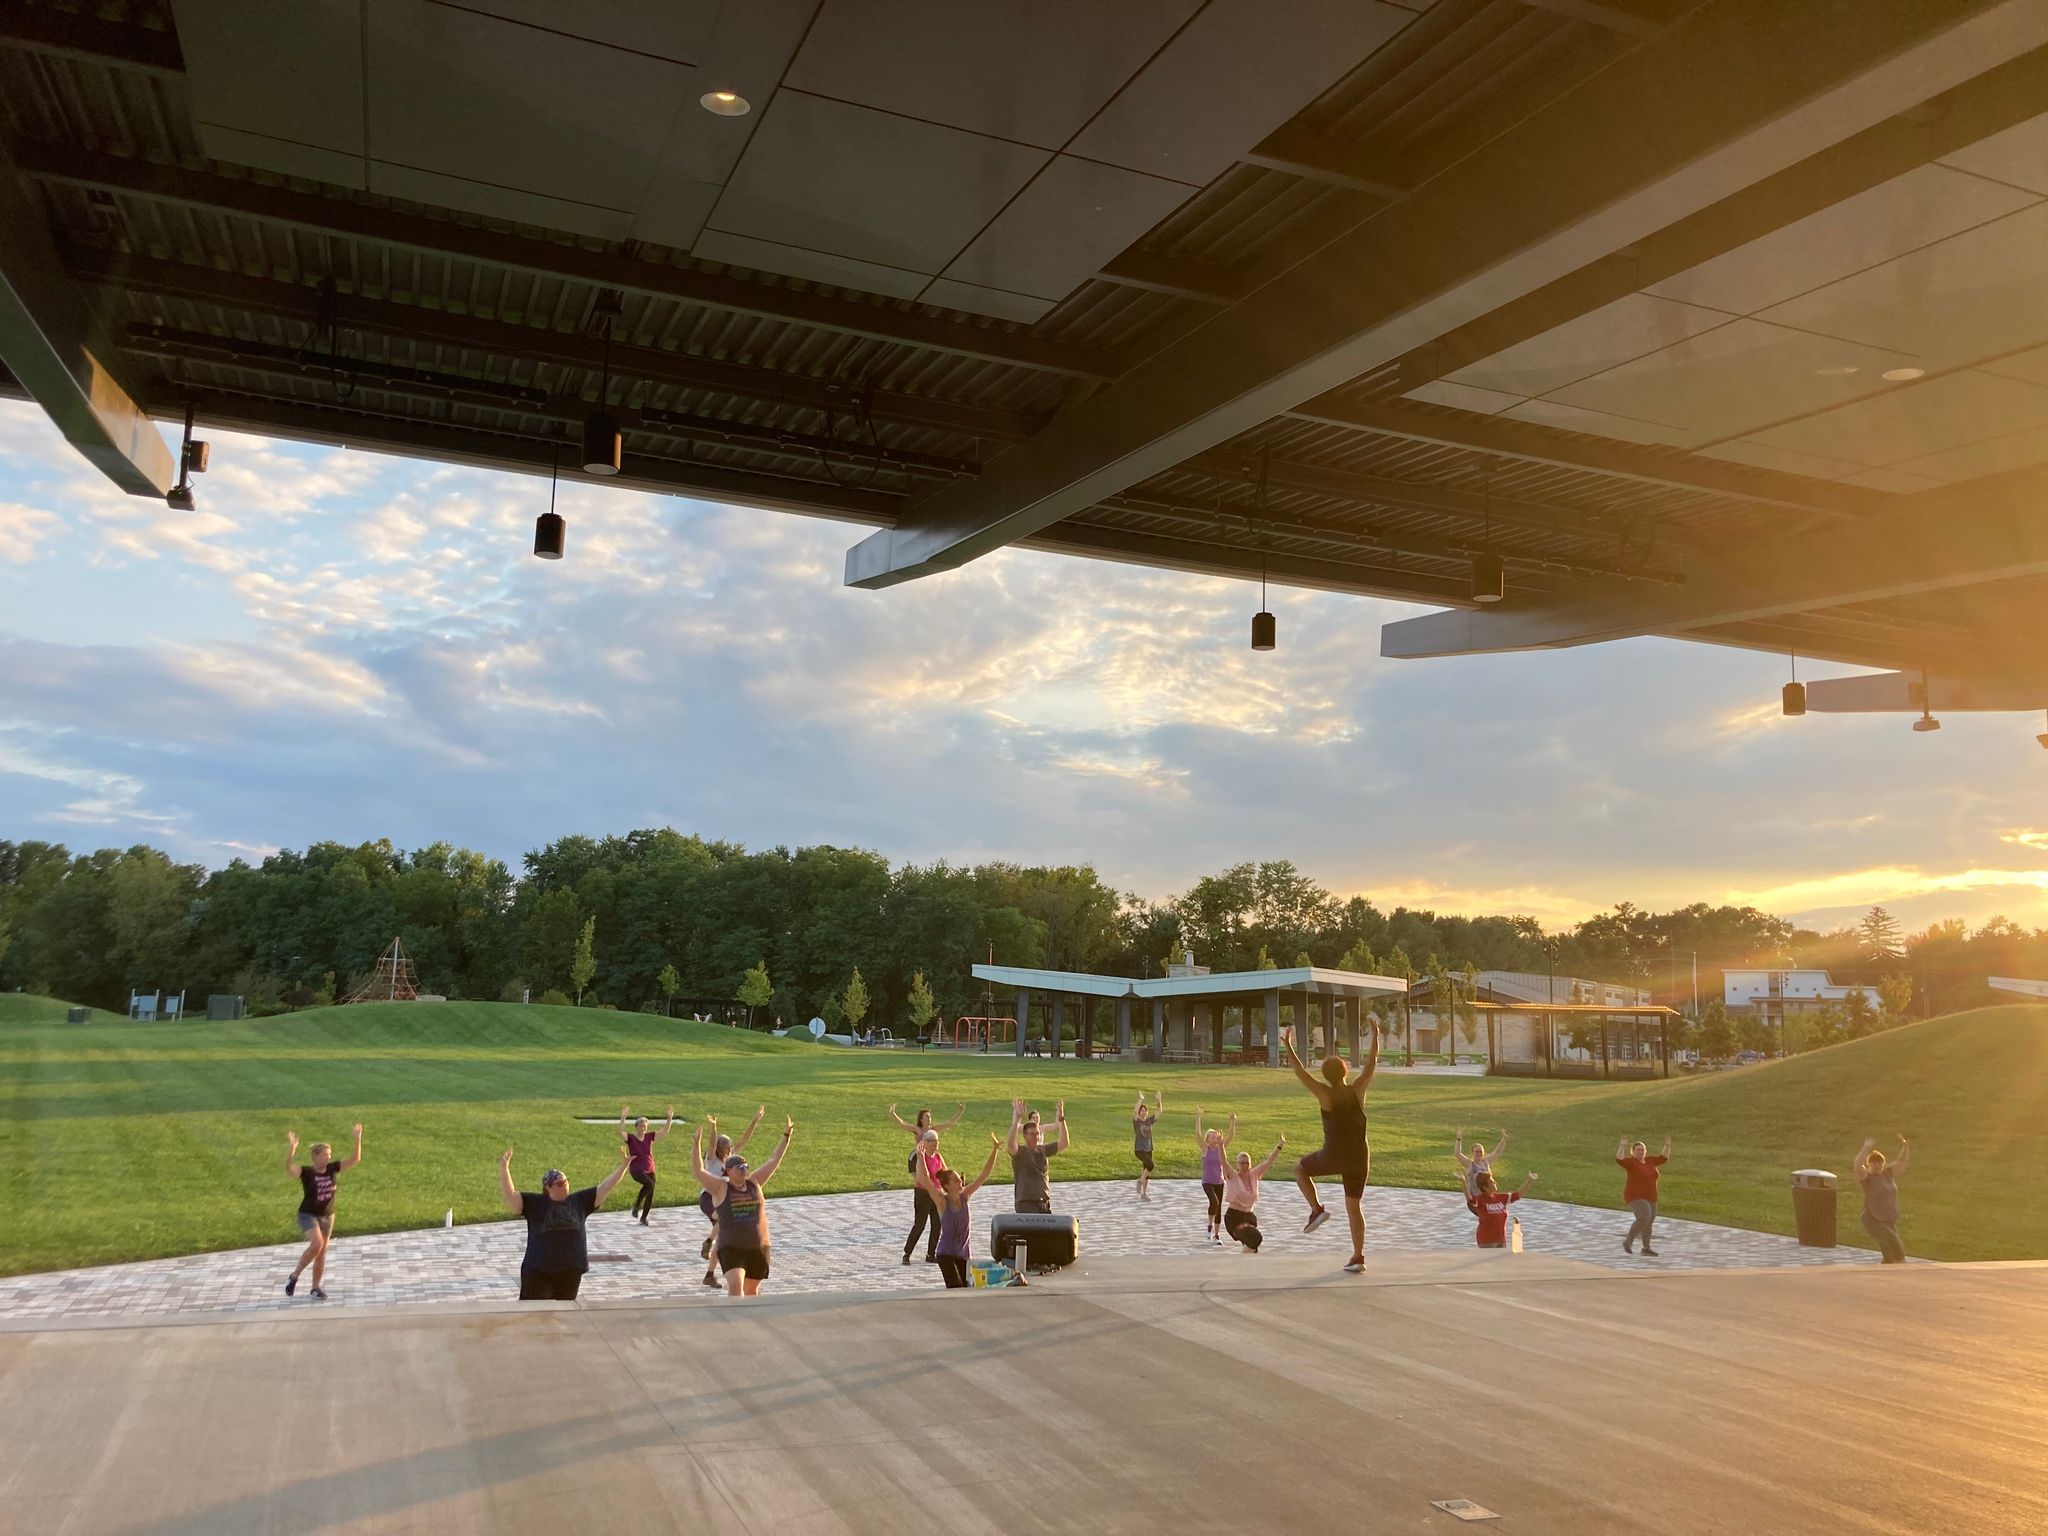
point(556, 1254)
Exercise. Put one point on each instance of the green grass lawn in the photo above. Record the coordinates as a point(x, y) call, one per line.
point(128, 1141)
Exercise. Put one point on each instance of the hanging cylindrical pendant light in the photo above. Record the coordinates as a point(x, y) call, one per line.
point(1489, 576)
point(1795, 693)
point(550, 533)
point(1265, 628)
point(603, 443)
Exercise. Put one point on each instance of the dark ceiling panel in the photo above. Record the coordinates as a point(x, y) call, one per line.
point(1071, 221)
point(1231, 77)
point(1030, 70)
point(825, 176)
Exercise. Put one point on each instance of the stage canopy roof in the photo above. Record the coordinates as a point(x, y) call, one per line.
point(1724, 319)
point(1291, 978)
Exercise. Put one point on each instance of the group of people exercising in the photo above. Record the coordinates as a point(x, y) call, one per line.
point(733, 1194)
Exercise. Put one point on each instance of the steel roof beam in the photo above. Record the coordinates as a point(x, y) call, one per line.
point(51, 345)
point(1741, 90)
point(1335, 162)
point(1533, 444)
point(91, 39)
point(1998, 536)
point(441, 236)
point(517, 340)
point(1642, 19)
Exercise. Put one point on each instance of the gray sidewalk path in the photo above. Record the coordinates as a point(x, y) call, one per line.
point(844, 1242)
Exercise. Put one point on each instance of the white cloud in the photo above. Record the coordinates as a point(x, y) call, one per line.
point(400, 665)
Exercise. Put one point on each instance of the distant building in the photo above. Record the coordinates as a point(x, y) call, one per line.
point(1771, 995)
point(2019, 986)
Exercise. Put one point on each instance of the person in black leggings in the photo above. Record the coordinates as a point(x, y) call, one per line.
point(923, 1213)
point(950, 1196)
point(926, 1166)
point(639, 1143)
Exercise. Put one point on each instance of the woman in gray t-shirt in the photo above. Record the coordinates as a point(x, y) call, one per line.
point(1142, 1122)
point(1880, 1181)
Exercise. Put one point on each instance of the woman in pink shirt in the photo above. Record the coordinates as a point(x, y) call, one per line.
point(1241, 1196)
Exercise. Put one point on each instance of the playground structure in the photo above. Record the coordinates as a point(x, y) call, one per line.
point(391, 979)
point(980, 1032)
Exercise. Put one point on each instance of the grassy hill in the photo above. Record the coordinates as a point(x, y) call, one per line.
point(122, 1140)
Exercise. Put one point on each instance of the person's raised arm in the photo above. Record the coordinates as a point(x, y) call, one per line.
point(1372, 1062)
point(1531, 1179)
point(1301, 1073)
point(506, 1187)
point(669, 1127)
point(1262, 1169)
point(622, 1122)
point(921, 1176)
point(1905, 1157)
point(1059, 1110)
point(959, 1113)
point(904, 1125)
point(291, 1153)
point(1158, 1103)
point(995, 1145)
point(1016, 1120)
point(1666, 1153)
point(356, 1156)
point(774, 1160)
point(1201, 1139)
point(1458, 1152)
point(610, 1181)
point(1621, 1150)
point(1230, 1135)
point(714, 1183)
point(740, 1142)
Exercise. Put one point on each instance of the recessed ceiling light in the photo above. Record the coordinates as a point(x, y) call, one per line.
point(725, 103)
point(1901, 375)
point(1839, 371)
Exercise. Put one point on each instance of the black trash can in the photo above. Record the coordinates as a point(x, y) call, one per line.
point(78, 1016)
point(1813, 1207)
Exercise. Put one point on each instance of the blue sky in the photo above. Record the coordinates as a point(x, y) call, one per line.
point(344, 645)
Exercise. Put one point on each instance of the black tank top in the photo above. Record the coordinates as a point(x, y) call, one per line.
point(1344, 1126)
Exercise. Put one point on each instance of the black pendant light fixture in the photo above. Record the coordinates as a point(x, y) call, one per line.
point(1926, 722)
point(603, 443)
point(1265, 628)
point(1489, 576)
point(1795, 692)
point(550, 533)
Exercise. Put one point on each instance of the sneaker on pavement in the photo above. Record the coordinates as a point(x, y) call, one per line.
point(1316, 1218)
point(318, 1294)
point(1355, 1267)
point(1649, 1252)
point(291, 1285)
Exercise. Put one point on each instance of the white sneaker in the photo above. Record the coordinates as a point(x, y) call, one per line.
point(1355, 1267)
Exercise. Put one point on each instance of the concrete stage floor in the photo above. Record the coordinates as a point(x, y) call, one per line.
point(1158, 1396)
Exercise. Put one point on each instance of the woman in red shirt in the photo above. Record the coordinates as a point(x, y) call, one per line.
point(1489, 1202)
point(1639, 1193)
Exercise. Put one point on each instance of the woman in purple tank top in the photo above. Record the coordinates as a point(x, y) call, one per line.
point(1213, 1145)
point(950, 1194)
point(639, 1143)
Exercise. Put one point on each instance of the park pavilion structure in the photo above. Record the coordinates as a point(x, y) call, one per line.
point(1195, 1015)
point(1603, 1040)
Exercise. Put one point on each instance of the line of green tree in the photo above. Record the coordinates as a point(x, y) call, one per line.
point(627, 921)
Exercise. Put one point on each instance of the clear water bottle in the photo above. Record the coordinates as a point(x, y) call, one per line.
point(449, 1219)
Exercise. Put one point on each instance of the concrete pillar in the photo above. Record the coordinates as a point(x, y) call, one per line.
point(1184, 1022)
point(1273, 1028)
point(1158, 1024)
point(1123, 1024)
point(1058, 1004)
point(1353, 1007)
point(1023, 1017)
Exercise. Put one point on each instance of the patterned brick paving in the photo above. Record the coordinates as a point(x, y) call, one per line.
point(840, 1242)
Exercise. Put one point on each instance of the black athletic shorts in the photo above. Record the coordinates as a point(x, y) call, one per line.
point(1144, 1160)
point(1354, 1170)
point(751, 1262)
